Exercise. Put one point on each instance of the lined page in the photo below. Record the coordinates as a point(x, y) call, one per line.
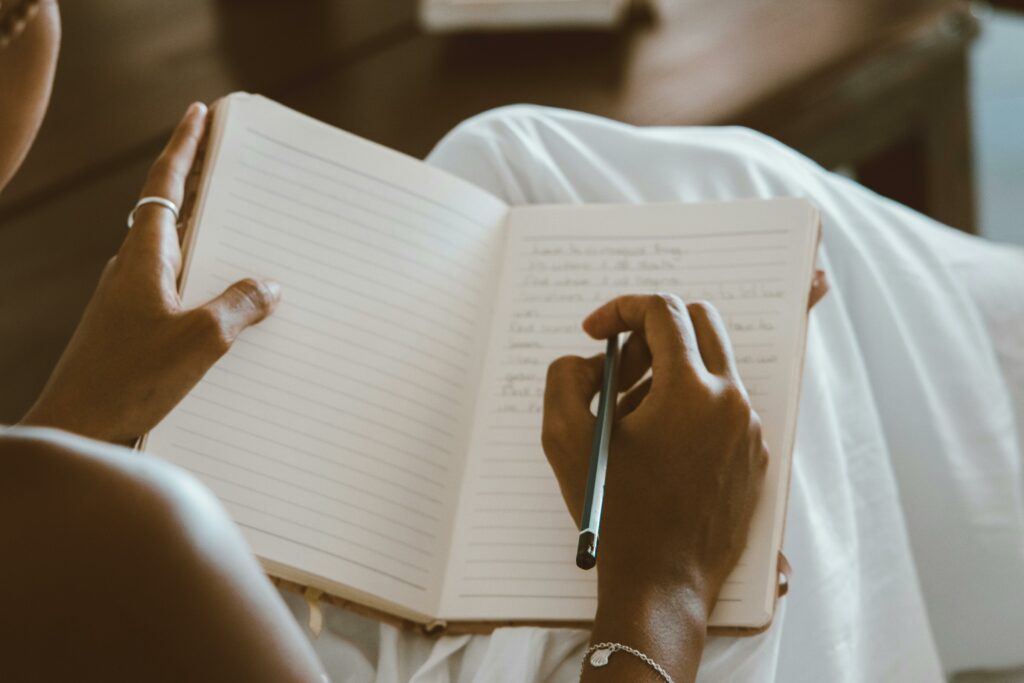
point(335, 431)
point(514, 549)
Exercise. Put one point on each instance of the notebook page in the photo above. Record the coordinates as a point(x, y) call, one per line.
point(335, 431)
point(514, 547)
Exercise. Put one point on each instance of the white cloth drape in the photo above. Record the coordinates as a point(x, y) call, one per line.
point(906, 517)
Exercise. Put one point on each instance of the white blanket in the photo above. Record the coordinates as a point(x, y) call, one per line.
point(906, 521)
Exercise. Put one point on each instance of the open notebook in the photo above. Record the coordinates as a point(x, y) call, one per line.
point(379, 436)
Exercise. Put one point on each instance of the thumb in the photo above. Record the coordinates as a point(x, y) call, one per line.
point(244, 303)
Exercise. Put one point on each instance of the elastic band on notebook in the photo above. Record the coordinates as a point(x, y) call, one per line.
point(436, 627)
point(785, 571)
point(316, 615)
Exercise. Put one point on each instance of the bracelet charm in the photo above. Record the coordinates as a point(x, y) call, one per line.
point(600, 655)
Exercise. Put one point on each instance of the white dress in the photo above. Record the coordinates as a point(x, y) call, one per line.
point(906, 517)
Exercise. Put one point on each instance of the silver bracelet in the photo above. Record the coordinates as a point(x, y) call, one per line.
point(598, 656)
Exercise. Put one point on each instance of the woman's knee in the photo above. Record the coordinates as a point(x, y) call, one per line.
point(521, 151)
point(497, 123)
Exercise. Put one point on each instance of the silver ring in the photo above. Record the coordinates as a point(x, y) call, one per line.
point(159, 201)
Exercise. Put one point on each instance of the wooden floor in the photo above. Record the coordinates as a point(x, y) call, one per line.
point(129, 68)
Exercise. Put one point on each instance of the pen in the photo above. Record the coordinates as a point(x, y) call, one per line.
point(586, 550)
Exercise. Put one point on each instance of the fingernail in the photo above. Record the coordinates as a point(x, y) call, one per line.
point(196, 108)
point(274, 288)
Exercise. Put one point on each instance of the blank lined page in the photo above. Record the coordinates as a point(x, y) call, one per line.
point(514, 550)
point(335, 431)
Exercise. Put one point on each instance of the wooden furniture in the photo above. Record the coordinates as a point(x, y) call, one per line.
point(871, 85)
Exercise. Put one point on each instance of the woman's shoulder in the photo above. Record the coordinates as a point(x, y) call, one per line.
point(47, 466)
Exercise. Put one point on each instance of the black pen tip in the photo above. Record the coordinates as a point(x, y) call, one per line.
point(586, 551)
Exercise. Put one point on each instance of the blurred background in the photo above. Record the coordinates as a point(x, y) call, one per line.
point(922, 100)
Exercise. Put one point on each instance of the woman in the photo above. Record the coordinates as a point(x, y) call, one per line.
point(156, 583)
point(168, 587)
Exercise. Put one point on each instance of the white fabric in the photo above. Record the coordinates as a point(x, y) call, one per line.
point(906, 518)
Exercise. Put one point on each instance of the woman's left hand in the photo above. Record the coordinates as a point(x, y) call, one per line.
point(137, 351)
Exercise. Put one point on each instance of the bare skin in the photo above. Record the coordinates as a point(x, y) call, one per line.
point(118, 568)
point(127, 569)
point(137, 351)
point(27, 67)
point(121, 568)
point(685, 472)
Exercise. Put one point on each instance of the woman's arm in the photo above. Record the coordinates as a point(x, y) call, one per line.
point(118, 567)
point(686, 468)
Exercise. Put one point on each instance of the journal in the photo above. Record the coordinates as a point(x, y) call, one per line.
point(378, 437)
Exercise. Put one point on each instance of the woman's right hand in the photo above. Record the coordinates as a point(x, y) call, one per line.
point(687, 456)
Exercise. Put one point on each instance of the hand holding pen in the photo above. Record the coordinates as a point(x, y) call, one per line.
point(686, 459)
